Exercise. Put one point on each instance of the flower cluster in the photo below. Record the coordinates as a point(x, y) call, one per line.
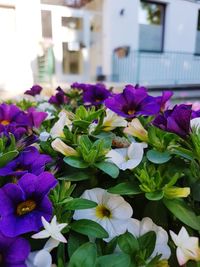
point(90, 177)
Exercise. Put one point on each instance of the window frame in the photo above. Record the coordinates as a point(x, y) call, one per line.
point(198, 19)
point(163, 27)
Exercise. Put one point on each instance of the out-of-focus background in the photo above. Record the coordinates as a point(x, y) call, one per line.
point(57, 42)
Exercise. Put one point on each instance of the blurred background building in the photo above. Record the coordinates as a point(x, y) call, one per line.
point(56, 42)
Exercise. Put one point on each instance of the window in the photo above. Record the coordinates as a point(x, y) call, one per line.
point(197, 50)
point(151, 20)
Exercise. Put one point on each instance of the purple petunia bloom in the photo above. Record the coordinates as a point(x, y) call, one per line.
point(162, 100)
point(95, 94)
point(59, 98)
point(176, 120)
point(133, 102)
point(80, 86)
point(36, 117)
point(29, 160)
point(13, 251)
point(23, 204)
point(34, 90)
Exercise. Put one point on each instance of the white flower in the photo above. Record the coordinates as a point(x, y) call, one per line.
point(112, 211)
point(57, 129)
point(139, 228)
point(112, 121)
point(41, 258)
point(127, 158)
point(48, 108)
point(135, 128)
point(52, 229)
point(195, 124)
point(187, 246)
point(60, 146)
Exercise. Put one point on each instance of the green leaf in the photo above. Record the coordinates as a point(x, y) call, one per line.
point(157, 195)
point(84, 256)
point(147, 243)
point(90, 228)
point(76, 176)
point(7, 157)
point(80, 203)
point(158, 157)
point(114, 260)
point(125, 188)
point(182, 211)
point(109, 168)
point(128, 243)
point(75, 240)
point(76, 162)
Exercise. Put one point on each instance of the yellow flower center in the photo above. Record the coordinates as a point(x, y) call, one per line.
point(131, 111)
point(102, 212)
point(5, 122)
point(26, 207)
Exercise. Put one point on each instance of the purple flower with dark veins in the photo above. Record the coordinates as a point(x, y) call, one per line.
point(23, 204)
point(29, 161)
point(133, 102)
point(176, 120)
point(13, 251)
point(59, 98)
point(95, 94)
point(34, 90)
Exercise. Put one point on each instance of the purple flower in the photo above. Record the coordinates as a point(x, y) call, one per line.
point(29, 160)
point(22, 205)
point(35, 117)
point(13, 120)
point(162, 100)
point(60, 97)
point(133, 102)
point(95, 94)
point(80, 86)
point(34, 90)
point(13, 251)
point(176, 120)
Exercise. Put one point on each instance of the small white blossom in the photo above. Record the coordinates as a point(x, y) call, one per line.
point(112, 211)
point(187, 246)
point(52, 229)
point(127, 158)
point(112, 121)
point(57, 129)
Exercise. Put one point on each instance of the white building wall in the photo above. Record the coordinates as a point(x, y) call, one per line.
point(181, 26)
point(118, 30)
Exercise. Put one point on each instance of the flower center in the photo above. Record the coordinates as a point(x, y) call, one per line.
point(131, 111)
point(25, 207)
point(102, 212)
point(5, 122)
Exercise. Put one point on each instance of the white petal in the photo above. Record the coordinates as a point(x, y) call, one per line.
point(42, 234)
point(59, 237)
point(85, 214)
point(120, 209)
point(46, 224)
point(95, 194)
point(117, 156)
point(134, 227)
point(195, 123)
point(181, 256)
point(146, 225)
point(39, 259)
point(174, 237)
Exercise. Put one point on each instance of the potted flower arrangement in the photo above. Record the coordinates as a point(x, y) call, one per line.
point(93, 178)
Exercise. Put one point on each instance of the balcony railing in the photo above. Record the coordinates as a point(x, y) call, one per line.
point(156, 69)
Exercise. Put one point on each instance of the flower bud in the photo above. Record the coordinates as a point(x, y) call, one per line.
point(136, 129)
point(59, 146)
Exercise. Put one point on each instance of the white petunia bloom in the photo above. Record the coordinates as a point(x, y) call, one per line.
point(57, 129)
point(44, 136)
point(127, 158)
point(52, 229)
point(187, 246)
point(112, 212)
point(112, 121)
point(139, 228)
